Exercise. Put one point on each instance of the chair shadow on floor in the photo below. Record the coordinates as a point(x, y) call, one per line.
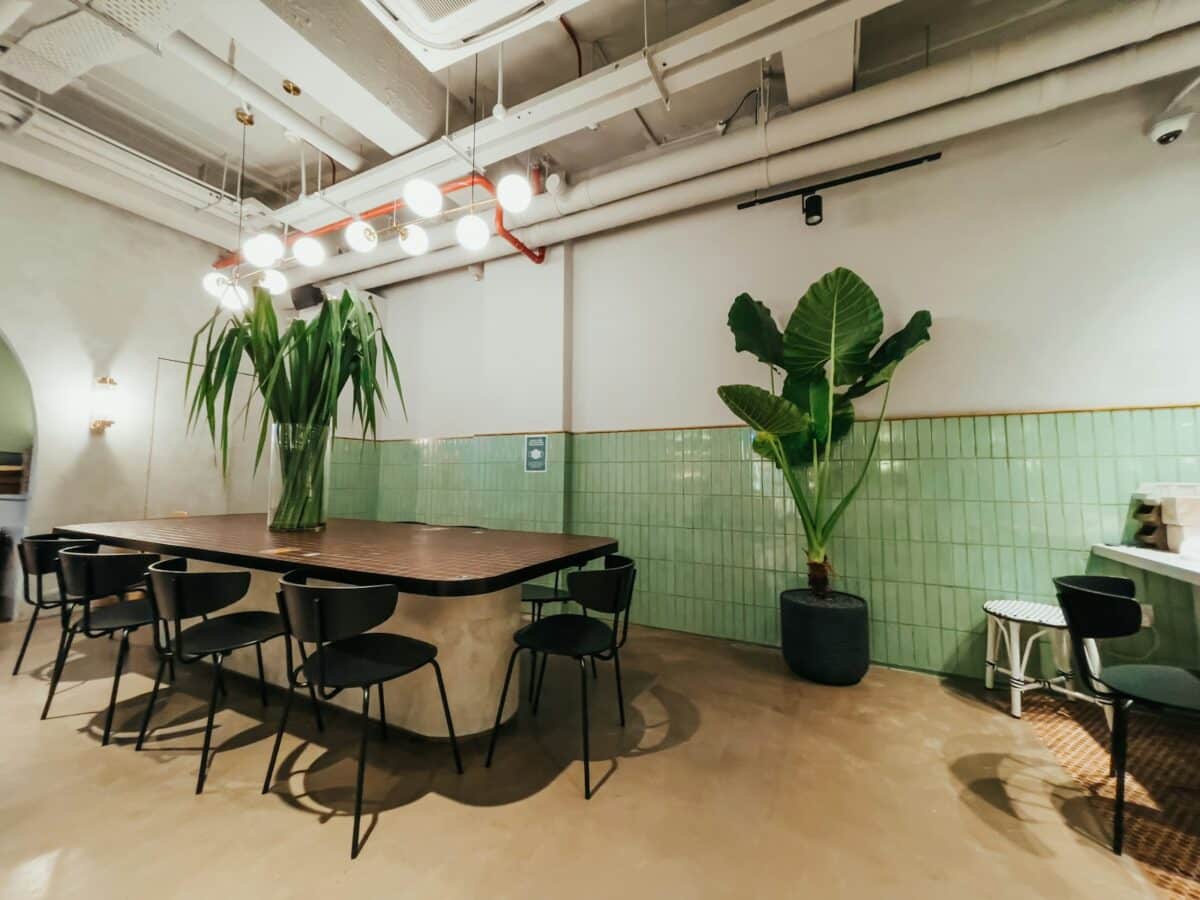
point(533, 751)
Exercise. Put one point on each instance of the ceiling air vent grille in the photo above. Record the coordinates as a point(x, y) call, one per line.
point(441, 32)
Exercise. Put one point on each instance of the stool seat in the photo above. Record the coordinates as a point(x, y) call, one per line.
point(1026, 611)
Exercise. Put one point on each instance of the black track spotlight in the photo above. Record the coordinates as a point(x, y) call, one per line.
point(813, 210)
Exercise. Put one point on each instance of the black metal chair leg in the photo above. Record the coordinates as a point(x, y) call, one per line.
point(541, 680)
point(500, 709)
point(262, 678)
point(171, 668)
point(312, 690)
point(64, 650)
point(1120, 738)
point(362, 768)
point(587, 767)
point(212, 708)
point(437, 670)
point(122, 652)
point(533, 660)
point(382, 714)
point(162, 665)
point(287, 705)
point(620, 691)
point(595, 674)
point(28, 635)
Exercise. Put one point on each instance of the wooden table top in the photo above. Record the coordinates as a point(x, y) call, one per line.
point(419, 559)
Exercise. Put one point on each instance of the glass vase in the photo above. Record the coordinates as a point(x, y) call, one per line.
point(299, 487)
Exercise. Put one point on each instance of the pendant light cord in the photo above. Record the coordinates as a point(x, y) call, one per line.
point(240, 199)
point(474, 125)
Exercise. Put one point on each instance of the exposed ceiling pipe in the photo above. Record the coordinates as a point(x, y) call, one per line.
point(184, 48)
point(969, 75)
point(741, 36)
point(1112, 72)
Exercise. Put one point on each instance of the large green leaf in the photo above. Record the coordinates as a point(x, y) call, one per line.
point(891, 353)
point(837, 321)
point(754, 330)
point(764, 411)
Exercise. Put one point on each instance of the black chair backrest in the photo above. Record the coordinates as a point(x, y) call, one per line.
point(1097, 607)
point(608, 590)
point(180, 594)
point(39, 552)
point(87, 575)
point(317, 614)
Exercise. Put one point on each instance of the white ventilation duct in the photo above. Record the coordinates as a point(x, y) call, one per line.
point(184, 48)
point(1112, 72)
point(963, 77)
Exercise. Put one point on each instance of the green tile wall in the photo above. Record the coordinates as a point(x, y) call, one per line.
point(954, 511)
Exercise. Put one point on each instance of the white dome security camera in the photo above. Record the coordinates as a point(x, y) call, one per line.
point(1168, 130)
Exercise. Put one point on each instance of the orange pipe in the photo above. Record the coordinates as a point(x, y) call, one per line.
point(537, 256)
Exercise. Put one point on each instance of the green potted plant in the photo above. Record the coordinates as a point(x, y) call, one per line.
point(828, 356)
point(300, 375)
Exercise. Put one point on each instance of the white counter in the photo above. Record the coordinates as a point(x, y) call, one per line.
point(1172, 565)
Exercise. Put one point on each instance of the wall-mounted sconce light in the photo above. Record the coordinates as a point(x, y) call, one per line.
point(104, 403)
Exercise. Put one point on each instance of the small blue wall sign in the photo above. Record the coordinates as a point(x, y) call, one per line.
point(535, 452)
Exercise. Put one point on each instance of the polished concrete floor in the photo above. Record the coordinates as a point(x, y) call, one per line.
point(731, 779)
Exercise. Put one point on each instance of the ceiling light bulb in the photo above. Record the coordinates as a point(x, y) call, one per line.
point(235, 299)
point(263, 250)
point(361, 237)
point(273, 281)
point(214, 284)
point(472, 232)
point(414, 240)
point(514, 193)
point(308, 251)
point(423, 197)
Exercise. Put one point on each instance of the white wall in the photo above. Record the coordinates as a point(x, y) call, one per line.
point(88, 291)
point(482, 357)
point(1057, 256)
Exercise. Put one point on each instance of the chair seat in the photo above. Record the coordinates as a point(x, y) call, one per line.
point(125, 614)
point(367, 659)
point(1161, 685)
point(1046, 614)
point(539, 594)
point(225, 633)
point(567, 634)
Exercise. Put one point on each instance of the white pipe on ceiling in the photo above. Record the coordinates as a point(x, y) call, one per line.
point(1106, 74)
point(184, 48)
point(969, 75)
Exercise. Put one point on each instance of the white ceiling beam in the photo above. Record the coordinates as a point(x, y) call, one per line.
point(741, 36)
point(821, 68)
point(340, 57)
point(69, 170)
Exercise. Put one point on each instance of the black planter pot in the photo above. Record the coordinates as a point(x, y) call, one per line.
point(825, 639)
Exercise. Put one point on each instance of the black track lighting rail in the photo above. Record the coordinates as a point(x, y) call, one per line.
point(846, 179)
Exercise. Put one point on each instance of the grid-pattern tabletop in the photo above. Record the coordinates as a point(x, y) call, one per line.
point(420, 559)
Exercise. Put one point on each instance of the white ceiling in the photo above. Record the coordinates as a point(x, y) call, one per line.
point(165, 109)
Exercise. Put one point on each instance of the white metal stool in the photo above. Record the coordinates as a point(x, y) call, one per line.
point(1004, 621)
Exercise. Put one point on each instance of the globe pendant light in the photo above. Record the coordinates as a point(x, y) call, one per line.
point(361, 237)
point(423, 197)
point(472, 232)
point(414, 240)
point(235, 299)
point(308, 251)
point(214, 284)
point(514, 193)
point(263, 250)
point(273, 281)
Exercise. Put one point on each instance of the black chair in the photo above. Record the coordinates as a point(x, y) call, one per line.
point(39, 557)
point(608, 591)
point(86, 575)
point(178, 594)
point(1100, 606)
point(346, 654)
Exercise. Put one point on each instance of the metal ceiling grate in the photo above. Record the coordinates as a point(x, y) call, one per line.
point(436, 10)
point(55, 54)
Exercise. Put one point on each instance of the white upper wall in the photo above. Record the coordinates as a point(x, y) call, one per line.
point(481, 357)
point(88, 291)
point(1056, 255)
